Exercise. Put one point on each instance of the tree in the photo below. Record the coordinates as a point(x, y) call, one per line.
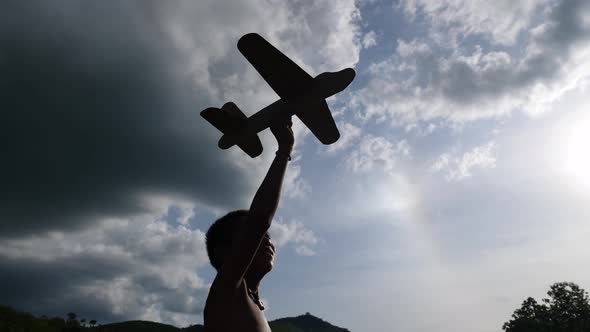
point(57, 323)
point(71, 315)
point(566, 310)
point(72, 322)
point(92, 322)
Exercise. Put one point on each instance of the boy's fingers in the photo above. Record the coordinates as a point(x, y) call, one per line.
point(286, 119)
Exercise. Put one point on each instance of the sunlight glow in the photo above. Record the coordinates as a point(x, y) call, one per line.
point(578, 152)
point(394, 194)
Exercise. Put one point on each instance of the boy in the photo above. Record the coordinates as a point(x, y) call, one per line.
point(240, 249)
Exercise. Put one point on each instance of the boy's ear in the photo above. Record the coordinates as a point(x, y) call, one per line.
point(222, 252)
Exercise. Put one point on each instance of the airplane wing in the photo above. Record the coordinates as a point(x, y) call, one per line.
point(320, 121)
point(223, 121)
point(283, 75)
point(230, 120)
point(251, 145)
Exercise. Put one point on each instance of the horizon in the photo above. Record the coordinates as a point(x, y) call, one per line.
point(458, 188)
point(82, 320)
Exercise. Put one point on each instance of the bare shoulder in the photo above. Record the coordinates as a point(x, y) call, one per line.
point(216, 306)
point(232, 309)
point(217, 296)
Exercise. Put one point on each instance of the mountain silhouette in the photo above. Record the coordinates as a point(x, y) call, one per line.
point(19, 321)
point(302, 323)
point(140, 326)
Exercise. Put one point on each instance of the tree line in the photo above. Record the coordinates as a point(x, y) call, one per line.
point(565, 309)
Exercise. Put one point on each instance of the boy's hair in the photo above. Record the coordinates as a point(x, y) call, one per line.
point(220, 234)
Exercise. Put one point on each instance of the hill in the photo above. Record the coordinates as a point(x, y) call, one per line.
point(18, 321)
point(304, 323)
point(139, 325)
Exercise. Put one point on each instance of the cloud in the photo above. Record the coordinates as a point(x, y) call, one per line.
point(98, 117)
point(421, 130)
point(327, 33)
point(295, 233)
point(500, 21)
point(102, 144)
point(295, 186)
point(95, 118)
point(349, 134)
point(137, 268)
point(370, 39)
point(461, 167)
point(426, 78)
point(376, 152)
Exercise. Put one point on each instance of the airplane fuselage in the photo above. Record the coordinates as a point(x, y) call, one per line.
point(325, 85)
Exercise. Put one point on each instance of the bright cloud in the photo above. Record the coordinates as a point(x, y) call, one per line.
point(294, 233)
point(427, 79)
point(461, 167)
point(370, 39)
point(500, 21)
point(295, 186)
point(375, 152)
point(349, 133)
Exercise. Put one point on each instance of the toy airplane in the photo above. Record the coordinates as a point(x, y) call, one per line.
point(300, 94)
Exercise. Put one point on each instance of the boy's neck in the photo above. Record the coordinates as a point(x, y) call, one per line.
point(253, 281)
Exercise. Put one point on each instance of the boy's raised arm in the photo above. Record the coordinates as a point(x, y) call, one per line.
point(261, 211)
point(266, 200)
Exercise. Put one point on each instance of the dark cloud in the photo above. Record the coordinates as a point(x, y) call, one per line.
point(82, 284)
point(94, 112)
point(54, 286)
point(99, 106)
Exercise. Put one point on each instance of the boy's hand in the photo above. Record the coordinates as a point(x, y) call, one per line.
point(284, 134)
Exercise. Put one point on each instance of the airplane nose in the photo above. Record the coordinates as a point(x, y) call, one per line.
point(350, 73)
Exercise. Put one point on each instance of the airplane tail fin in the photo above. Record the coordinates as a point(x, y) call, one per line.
point(329, 83)
point(231, 121)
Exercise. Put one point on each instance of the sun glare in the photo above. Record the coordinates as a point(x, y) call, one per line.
point(578, 152)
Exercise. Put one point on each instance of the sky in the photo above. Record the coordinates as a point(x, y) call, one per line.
point(458, 188)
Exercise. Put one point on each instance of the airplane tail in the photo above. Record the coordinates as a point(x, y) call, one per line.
point(329, 83)
point(231, 121)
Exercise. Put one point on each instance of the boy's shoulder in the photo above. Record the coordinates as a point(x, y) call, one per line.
point(219, 295)
point(232, 310)
point(214, 302)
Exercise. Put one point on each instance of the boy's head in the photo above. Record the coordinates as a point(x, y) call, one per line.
point(224, 231)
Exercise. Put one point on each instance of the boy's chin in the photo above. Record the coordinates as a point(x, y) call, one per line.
point(265, 266)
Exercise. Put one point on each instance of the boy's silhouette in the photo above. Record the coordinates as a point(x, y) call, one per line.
point(240, 249)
